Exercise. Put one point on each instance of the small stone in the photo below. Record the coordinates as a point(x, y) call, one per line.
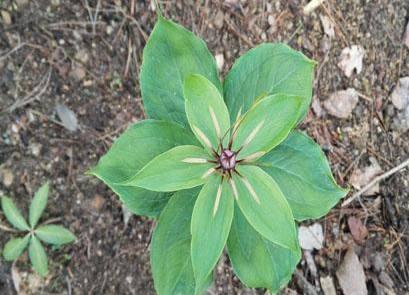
point(6, 17)
point(36, 149)
point(341, 103)
point(78, 72)
point(97, 202)
point(219, 20)
point(7, 177)
point(55, 3)
point(82, 55)
point(109, 30)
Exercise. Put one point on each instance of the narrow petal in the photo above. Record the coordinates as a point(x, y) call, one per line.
point(215, 122)
point(203, 138)
point(217, 201)
point(250, 189)
point(195, 160)
point(234, 188)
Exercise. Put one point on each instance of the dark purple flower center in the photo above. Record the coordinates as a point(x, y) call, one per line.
point(227, 160)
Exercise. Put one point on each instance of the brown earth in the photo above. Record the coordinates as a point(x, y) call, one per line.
point(55, 52)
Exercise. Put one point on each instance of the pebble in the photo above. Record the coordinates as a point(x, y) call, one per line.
point(7, 177)
point(6, 17)
point(97, 202)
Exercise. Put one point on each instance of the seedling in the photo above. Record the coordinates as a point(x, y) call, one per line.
point(221, 164)
point(48, 233)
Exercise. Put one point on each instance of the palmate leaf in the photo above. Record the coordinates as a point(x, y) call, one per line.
point(206, 111)
point(266, 124)
point(171, 54)
point(38, 257)
point(268, 69)
point(13, 215)
point(130, 152)
point(211, 220)
point(54, 234)
point(38, 204)
point(303, 174)
point(15, 247)
point(172, 170)
point(258, 262)
point(170, 250)
point(264, 206)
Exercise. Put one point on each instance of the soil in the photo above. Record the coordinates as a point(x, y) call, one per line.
point(58, 52)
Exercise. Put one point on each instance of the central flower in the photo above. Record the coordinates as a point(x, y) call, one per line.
point(227, 160)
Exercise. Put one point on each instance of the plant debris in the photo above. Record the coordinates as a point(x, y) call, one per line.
point(351, 59)
point(311, 237)
point(341, 103)
point(351, 275)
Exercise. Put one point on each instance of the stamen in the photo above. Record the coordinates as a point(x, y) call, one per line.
point(251, 190)
point(203, 137)
point(253, 133)
point(195, 160)
point(208, 172)
point(215, 122)
point(234, 188)
point(217, 201)
point(254, 156)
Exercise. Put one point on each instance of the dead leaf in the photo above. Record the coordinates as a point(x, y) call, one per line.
point(358, 231)
point(351, 275)
point(311, 237)
point(351, 59)
point(406, 37)
point(328, 26)
point(400, 95)
point(361, 177)
point(67, 117)
point(327, 286)
point(6, 17)
point(16, 277)
point(219, 61)
point(341, 103)
point(311, 6)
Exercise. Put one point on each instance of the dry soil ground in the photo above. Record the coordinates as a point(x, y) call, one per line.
point(86, 55)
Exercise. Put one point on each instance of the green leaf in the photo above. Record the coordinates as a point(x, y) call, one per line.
point(258, 262)
point(211, 221)
point(13, 215)
point(170, 250)
point(38, 204)
point(172, 170)
point(205, 109)
point(14, 248)
point(54, 234)
point(38, 257)
point(171, 54)
point(304, 176)
point(266, 124)
point(130, 152)
point(264, 206)
point(268, 69)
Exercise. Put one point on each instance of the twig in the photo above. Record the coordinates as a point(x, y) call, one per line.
point(6, 228)
point(237, 33)
point(32, 95)
point(376, 180)
point(3, 57)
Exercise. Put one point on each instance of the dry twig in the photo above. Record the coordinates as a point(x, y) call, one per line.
point(376, 180)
